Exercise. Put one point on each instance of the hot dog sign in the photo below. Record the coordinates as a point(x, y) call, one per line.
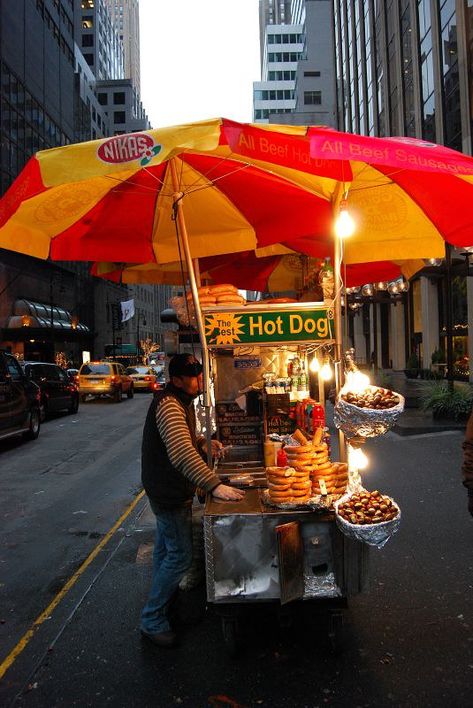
point(269, 326)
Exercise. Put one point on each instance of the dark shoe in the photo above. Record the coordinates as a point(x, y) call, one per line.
point(161, 639)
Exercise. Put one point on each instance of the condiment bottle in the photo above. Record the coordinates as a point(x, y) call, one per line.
point(281, 458)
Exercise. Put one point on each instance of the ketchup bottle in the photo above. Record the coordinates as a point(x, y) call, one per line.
point(281, 458)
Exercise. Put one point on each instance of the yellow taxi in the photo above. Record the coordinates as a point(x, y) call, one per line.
point(105, 378)
point(144, 378)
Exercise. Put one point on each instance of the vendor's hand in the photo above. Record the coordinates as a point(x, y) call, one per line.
point(357, 441)
point(470, 505)
point(216, 447)
point(227, 493)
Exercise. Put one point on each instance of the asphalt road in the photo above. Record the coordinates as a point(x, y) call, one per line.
point(59, 495)
point(407, 642)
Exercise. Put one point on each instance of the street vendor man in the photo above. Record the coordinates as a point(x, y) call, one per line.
point(172, 468)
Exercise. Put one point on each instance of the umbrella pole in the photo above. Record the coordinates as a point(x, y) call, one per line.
point(177, 198)
point(337, 306)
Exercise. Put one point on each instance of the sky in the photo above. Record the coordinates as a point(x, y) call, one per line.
point(199, 59)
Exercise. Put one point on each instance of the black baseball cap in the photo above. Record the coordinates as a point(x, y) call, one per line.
point(184, 365)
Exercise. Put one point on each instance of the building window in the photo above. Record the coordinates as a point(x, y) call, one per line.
point(87, 22)
point(119, 117)
point(87, 40)
point(102, 99)
point(311, 73)
point(89, 59)
point(312, 98)
point(119, 98)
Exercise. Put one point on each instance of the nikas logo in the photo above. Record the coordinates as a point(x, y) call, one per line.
point(127, 148)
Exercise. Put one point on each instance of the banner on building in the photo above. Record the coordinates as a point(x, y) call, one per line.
point(128, 309)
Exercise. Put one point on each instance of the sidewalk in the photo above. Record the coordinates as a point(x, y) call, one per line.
point(415, 421)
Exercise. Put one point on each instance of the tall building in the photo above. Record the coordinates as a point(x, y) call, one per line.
point(57, 59)
point(98, 39)
point(297, 65)
point(405, 68)
point(125, 17)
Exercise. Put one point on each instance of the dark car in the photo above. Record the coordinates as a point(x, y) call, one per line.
point(19, 401)
point(58, 391)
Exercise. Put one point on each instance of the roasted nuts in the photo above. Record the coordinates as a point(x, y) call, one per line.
point(374, 398)
point(368, 508)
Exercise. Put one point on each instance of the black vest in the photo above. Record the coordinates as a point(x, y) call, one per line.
point(163, 483)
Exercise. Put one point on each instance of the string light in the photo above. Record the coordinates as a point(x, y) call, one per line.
point(344, 223)
point(314, 365)
point(326, 372)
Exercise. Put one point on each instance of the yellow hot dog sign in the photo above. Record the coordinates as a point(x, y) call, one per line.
point(224, 328)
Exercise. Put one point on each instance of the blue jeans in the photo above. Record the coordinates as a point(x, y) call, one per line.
point(172, 557)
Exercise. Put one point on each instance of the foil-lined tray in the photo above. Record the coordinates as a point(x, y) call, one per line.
point(318, 502)
point(367, 422)
point(372, 534)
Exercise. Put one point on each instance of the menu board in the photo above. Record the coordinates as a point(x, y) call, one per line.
point(240, 434)
point(235, 427)
point(230, 412)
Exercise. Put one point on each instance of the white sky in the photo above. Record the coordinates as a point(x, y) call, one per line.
point(199, 59)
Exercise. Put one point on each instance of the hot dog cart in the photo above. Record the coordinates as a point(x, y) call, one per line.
point(254, 551)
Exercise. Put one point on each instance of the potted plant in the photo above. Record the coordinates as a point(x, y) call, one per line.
point(412, 366)
point(445, 403)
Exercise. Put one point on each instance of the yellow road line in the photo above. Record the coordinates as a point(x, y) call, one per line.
point(5, 665)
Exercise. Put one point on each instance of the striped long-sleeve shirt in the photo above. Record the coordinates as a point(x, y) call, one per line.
point(174, 430)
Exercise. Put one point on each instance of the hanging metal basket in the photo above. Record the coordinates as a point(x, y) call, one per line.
point(367, 422)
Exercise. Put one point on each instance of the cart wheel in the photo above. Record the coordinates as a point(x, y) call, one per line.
point(230, 635)
point(335, 632)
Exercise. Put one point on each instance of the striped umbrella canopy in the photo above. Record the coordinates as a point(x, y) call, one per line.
point(242, 187)
point(273, 269)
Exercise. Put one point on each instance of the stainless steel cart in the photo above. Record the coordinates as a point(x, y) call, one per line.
point(256, 553)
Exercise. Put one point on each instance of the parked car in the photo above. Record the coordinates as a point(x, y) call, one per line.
point(19, 401)
point(58, 391)
point(74, 375)
point(144, 377)
point(104, 378)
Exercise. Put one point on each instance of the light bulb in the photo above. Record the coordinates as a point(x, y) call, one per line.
point(326, 372)
point(344, 224)
point(436, 262)
point(393, 288)
point(314, 365)
point(404, 286)
point(357, 458)
point(382, 285)
point(367, 290)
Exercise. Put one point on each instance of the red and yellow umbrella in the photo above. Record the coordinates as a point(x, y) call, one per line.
point(114, 199)
point(242, 187)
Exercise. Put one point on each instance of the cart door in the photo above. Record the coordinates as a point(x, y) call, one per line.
point(291, 561)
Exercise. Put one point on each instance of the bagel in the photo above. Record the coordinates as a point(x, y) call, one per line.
point(281, 498)
point(321, 448)
point(206, 301)
point(300, 437)
point(298, 449)
point(230, 302)
point(302, 464)
point(223, 288)
point(280, 471)
point(300, 496)
point(278, 487)
point(302, 485)
point(323, 465)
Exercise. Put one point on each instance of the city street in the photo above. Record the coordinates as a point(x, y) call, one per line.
point(407, 642)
